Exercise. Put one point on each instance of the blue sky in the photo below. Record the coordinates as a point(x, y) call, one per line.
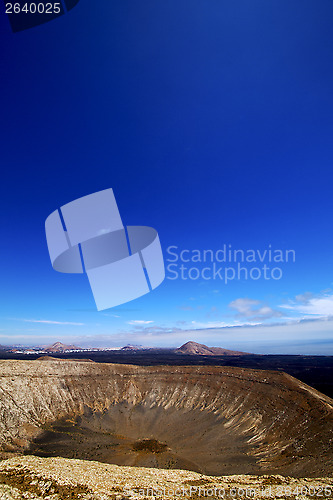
point(212, 122)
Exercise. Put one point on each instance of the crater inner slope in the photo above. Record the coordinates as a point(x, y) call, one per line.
point(214, 420)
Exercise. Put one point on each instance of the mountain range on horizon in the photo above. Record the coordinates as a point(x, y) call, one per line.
point(189, 348)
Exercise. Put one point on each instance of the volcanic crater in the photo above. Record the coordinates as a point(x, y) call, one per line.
point(209, 419)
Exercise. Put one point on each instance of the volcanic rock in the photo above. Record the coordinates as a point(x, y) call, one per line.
point(213, 420)
point(62, 479)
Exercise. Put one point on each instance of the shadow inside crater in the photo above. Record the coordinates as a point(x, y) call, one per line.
point(148, 437)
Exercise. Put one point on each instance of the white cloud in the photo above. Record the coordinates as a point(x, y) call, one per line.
point(244, 306)
point(221, 324)
point(48, 321)
point(309, 305)
point(304, 297)
point(139, 322)
point(253, 309)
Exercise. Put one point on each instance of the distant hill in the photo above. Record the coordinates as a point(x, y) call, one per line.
point(203, 350)
point(59, 347)
point(130, 347)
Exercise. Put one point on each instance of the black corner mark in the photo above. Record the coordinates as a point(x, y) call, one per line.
point(25, 14)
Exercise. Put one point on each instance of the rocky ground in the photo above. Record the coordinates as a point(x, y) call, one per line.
point(61, 479)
